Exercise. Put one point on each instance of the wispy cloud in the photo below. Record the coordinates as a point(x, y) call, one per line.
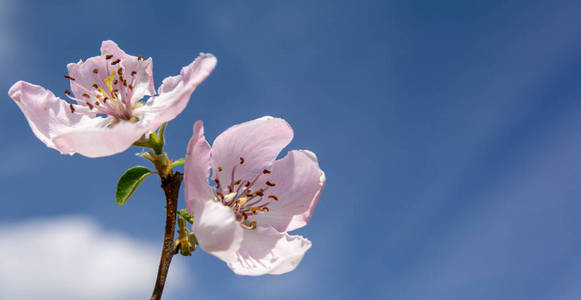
point(73, 258)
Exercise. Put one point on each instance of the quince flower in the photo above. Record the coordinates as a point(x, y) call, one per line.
point(244, 217)
point(107, 116)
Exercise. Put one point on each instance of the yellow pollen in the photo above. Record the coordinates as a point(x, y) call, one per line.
point(109, 81)
point(242, 200)
point(229, 197)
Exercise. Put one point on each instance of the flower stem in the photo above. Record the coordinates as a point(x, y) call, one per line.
point(171, 187)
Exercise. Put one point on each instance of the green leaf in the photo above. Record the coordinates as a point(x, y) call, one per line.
point(178, 162)
point(184, 214)
point(129, 182)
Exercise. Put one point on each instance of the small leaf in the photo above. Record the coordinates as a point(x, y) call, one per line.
point(178, 162)
point(184, 214)
point(129, 182)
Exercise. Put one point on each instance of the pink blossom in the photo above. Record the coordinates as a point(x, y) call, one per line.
point(244, 217)
point(107, 115)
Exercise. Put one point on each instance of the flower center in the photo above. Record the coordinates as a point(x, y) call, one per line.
point(106, 92)
point(247, 198)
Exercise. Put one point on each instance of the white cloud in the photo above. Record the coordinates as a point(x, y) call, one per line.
point(72, 258)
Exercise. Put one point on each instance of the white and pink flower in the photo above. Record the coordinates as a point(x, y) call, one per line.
point(253, 200)
point(107, 115)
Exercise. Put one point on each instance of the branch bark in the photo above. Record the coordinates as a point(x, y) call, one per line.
point(171, 187)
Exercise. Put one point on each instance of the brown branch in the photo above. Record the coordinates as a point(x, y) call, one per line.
point(171, 187)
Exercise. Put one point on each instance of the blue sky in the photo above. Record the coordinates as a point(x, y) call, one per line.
point(448, 131)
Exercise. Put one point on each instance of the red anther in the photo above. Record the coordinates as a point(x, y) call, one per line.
point(241, 160)
point(133, 73)
point(237, 182)
point(230, 188)
point(97, 103)
point(273, 197)
point(69, 77)
point(95, 70)
point(260, 192)
point(139, 56)
point(270, 183)
point(115, 62)
point(108, 56)
point(265, 171)
point(219, 169)
point(86, 95)
point(120, 71)
point(115, 81)
point(72, 108)
point(95, 85)
point(90, 105)
point(67, 92)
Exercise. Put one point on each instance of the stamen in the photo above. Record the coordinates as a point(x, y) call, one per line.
point(130, 86)
point(86, 95)
point(260, 192)
point(72, 108)
point(265, 171)
point(273, 197)
point(95, 86)
point(219, 169)
point(270, 183)
point(115, 62)
point(139, 57)
point(108, 56)
point(96, 103)
point(241, 160)
point(67, 92)
point(90, 105)
point(115, 81)
point(237, 182)
point(120, 71)
point(95, 70)
point(133, 73)
point(69, 77)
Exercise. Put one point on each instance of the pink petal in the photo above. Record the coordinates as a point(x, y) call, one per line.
point(143, 84)
point(46, 114)
point(247, 252)
point(84, 76)
point(197, 168)
point(216, 228)
point(249, 148)
point(175, 91)
point(94, 141)
point(267, 251)
point(298, 183)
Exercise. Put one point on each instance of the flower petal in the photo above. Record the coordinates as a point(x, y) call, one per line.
point(175, 91)
point(197, 168)
point(249, 147)
point(247, 252)
point(84, 76)
point(216, 228)
point(267, 251)
point(46, 114)
point(142, 81)
point(298, 183)
point(95, 141)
